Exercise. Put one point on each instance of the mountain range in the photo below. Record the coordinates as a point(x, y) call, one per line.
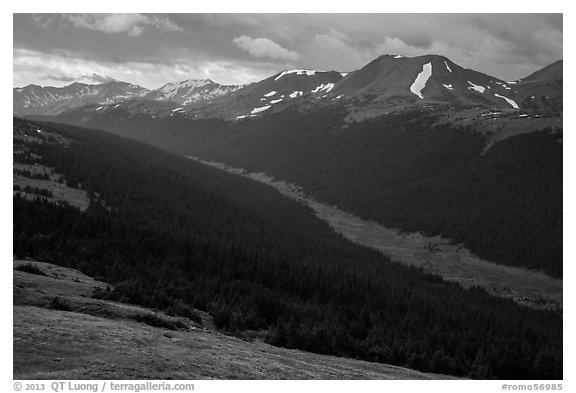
point(389, 83)
point(38, 100)
point(34, 99)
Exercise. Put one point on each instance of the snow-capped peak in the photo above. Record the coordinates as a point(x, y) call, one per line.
point(188, 83)
point(191, 90)
point(297, 72)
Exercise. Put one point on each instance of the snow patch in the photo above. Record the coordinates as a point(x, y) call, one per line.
point(297, 72)
point(504, 85)
point(343, 74)
point(177, 109)
point(323, 87)
point(295, 94)
point(328, 87)
point(261, 109)
point(340, 96)
point(270, 94)
point(508, 100)
point(240, 117)
point(276, 101)
point(449, 86)
point(317, 88)
point(398, 56)
point(479, 89)
point(420, 81)
point(171, 88)
point(447, 66)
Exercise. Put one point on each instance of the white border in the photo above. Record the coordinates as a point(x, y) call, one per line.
point(356, 6)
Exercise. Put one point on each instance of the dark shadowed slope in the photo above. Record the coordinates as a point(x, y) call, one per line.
point(169, 233)
point(406, 170)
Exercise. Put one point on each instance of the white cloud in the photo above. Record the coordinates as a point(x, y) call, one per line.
point(335, 52)
point(59, 69)
point(42, 20)
point(264, 47)
point(132, 24)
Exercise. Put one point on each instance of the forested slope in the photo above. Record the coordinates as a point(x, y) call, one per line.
point(403, 170)
point(172, 233)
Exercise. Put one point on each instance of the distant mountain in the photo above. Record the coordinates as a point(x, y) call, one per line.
point(271, 94)
point(390, 83)
point(542, 90)
point(207, 99)
point(191, 91)
point(551, 73)
point(37, 100)
point(396, 81)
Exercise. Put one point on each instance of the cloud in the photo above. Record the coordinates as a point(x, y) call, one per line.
point(60, 68)
point(99, 78)
point(507, 46)
point(42, 20)
point(335, 52)
point(61, 78)
point(131, 24)
point(89, 79)
point(264, 47)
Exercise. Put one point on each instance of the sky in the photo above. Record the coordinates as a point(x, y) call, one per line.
point(153, 49)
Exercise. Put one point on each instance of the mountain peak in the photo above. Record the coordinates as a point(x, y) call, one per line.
point(73, 84)
point(430, 56)
point(190, 90)
point(552, 72)
point(390, 81)
point(49, 100)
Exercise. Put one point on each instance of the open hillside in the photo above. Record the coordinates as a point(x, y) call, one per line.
point(60, 318)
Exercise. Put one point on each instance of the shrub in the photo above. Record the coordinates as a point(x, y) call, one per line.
point(157, 321)
point(182, 310)
point(30, 268)
point(59, 304)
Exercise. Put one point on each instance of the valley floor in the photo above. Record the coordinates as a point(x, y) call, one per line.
point(99, 339)
point(435, 255)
